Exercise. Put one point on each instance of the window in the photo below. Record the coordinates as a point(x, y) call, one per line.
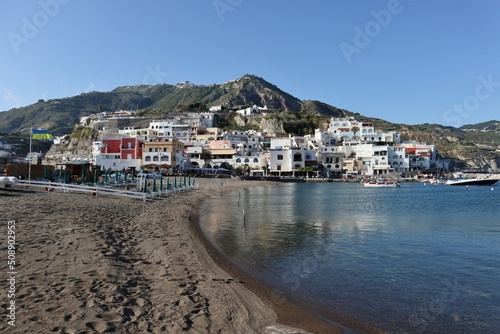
point(155, 158)
point(164, 158)
point(280, 157)
point(278, 167)
point(150, 149)
point(238, 160)
point(255, 160)
point(147, 158)
point(247, 160)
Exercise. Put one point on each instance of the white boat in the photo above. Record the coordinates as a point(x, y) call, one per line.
point(433, 181)
point(471, 182)
point(380, 184)
point(7, 181)
point(460, 180)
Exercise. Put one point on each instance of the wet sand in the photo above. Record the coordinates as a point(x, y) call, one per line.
point(88, 264)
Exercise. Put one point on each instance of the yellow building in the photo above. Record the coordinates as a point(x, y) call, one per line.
point(209, 135)
point(162, 153)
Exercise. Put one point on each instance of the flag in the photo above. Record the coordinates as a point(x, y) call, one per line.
point(39, 134)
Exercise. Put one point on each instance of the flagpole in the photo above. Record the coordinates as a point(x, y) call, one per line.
point(30, 157)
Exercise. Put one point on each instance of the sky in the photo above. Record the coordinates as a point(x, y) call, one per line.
point(405, 61)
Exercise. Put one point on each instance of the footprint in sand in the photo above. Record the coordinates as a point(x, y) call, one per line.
point(52, 309)
point(64, 330)
point(138, 301)
point(131, 313)
point(110, 317)
point(101, 326)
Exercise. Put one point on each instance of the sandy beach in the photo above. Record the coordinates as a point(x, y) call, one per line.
point(88, 264)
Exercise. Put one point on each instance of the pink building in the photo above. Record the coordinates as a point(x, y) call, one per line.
point(119, 153)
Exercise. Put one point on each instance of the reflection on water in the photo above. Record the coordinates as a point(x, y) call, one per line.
point(385, 256)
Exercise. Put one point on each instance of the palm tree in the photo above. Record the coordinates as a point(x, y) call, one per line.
point(354, 129)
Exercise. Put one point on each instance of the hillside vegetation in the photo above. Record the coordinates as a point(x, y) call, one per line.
point(470, 143)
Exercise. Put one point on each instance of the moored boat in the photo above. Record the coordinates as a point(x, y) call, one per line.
point(7, 181)
point(460, 180)
point(380, 184)
point(471, 182)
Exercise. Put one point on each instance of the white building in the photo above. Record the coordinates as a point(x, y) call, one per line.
point(287, 155)
point(398, 159)
point(193, 157)
point(324, 138)
point(206, 119)
point(332, 159)
point(374, 159)
point(422, 156)
point(243, 141)
point(252, 110)
point(215, 108)
point(96, 150)
point(342, 129)
point(255, 162)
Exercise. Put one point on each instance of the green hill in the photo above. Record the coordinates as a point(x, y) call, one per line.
point(469, 143)
point(60, 115)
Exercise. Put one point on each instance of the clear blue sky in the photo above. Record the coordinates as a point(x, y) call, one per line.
point(404, 61)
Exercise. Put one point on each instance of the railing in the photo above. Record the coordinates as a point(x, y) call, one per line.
point(97, 190)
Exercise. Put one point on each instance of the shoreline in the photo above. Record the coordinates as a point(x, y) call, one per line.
point(89, 264)
point(290, 312)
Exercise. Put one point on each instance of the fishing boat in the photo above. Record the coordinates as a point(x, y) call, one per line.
point(380, 183)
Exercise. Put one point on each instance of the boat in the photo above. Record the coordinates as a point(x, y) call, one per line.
point(380, 183)
point(471, 182)
point(433, 181)
point(460, 180)
point(7, 181)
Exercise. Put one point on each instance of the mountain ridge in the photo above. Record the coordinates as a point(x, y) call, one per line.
point(61, 115)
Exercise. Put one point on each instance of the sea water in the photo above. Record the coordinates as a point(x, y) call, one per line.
point(415, 259)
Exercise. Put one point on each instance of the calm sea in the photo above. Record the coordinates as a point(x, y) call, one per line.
point(415, 259)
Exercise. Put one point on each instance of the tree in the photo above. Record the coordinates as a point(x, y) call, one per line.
point(354, 129)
